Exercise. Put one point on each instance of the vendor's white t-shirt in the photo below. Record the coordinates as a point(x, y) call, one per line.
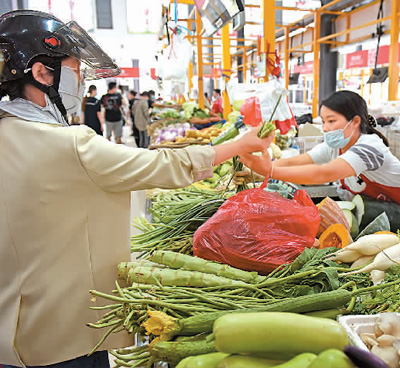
point(369, 157)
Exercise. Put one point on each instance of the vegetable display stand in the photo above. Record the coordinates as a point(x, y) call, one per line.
point(177, 144)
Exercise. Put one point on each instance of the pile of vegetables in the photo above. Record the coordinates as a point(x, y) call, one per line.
point(175, 299)
point(169, 114)
point(171, 133)
point(192, 110)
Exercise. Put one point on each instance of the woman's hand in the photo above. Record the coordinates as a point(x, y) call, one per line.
point(259, 164)
point(250, 142)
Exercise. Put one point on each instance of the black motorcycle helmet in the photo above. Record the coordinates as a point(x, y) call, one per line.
point(28, 34)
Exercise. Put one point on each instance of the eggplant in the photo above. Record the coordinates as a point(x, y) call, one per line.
point(363, 359)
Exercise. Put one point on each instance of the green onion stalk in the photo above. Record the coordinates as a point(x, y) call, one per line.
point(266, 129)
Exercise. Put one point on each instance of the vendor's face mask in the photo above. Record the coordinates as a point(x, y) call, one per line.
point(336, 139)
point(71, 90)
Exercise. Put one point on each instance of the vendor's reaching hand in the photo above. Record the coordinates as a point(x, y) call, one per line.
point(260, 164)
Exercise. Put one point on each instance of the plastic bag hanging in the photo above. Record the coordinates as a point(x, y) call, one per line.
point(251, 111)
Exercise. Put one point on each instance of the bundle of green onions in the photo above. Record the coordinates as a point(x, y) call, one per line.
point(167, 205)
point(177, 235)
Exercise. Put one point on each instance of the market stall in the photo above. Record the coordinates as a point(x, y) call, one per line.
point(193, 311)
point(255, 274)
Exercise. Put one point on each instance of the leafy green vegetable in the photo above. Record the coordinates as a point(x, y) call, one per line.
point(199, 113)
point(237, 104)
point(386, 300)
point(170, 114)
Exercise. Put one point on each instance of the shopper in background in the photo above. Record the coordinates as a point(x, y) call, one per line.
point(65, 195)
point(131, 101)
point(207, 100)
point(142, 118)
point(353, 152)
point(124, 106)
point(217, 106)
point(92, 111)
point(112, 103)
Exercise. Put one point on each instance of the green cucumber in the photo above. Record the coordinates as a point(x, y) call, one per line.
point(373, 208)
point(381, 223)
point(353, 223)
point(359, 210)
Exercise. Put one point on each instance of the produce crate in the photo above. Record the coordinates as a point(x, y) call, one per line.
point(355, 325)
point(306, 143)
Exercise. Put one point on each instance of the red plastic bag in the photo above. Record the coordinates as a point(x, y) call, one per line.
point(257, 231)
point(251, 111)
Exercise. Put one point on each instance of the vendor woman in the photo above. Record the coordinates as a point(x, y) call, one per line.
point(353, 152)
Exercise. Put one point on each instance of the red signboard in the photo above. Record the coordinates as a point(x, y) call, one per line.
point(306, 68)
point(129, 73)
point(366, 58)
point(357, 59)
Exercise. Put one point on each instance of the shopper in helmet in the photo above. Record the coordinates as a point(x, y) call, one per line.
point(353, 152)
point(65, 194)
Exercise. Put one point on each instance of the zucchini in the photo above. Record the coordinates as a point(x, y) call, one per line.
point(359, 210)
point(211, 360)
point(373, 208)
point(174, 351)
point(353, 223)
point(245, 361)
point(279, 334)
point(381, 223)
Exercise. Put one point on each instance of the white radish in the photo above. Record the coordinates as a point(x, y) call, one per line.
point(361, 261)
point(383, 260)
point(344, 255)
point(371, 244)
point(377, 276)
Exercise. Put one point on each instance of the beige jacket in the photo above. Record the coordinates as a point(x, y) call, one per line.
point(142, 114)
point(64, 226)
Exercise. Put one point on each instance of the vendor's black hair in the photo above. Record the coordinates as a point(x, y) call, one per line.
point(217, 90)
point(350, 104)
point(15, 88)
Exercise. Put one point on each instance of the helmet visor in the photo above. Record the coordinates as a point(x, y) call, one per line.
point(84, 48)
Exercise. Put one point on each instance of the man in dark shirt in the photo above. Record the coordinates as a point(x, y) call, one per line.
point(91, 108)
point(112, 103)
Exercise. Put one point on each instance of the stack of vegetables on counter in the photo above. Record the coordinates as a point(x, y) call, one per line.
point(191, 312)
point(175, 300)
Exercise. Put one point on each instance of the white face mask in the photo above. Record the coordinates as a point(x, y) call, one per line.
point(70, 90)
